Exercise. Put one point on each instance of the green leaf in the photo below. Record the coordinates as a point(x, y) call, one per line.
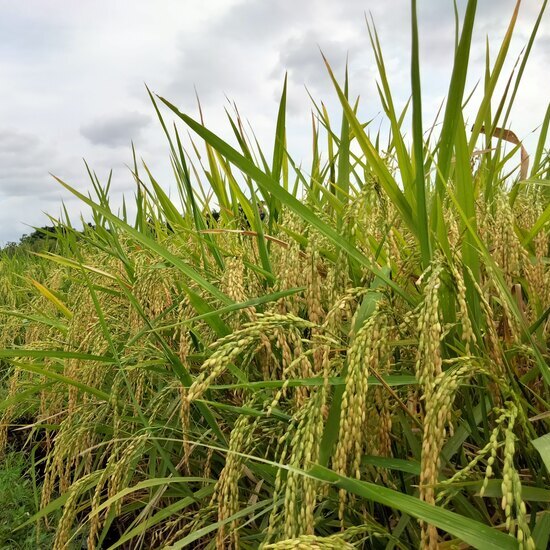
point(265, 506)
point(541, 532)
point(30, 367)
point(389, 379)
point(253, 302)
point(418, 146)
point(271, 187)
point(387, 181)
point(151, 244)
point(54, 354)
point(164, 513)
point(542, 445)
point(280, 140)
point(342, 191)
point(491, 84)
point(468, 530)
point(51, 297)
point(541, 141)
point(455, 95)
point(147, 484)
point(542, 220)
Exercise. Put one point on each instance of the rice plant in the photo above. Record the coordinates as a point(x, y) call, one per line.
point(352, 356)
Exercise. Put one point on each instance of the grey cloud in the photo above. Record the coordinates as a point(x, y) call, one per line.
point(301, 57)
point(13, 142)
point(541, 50)
point(259, 20)
point(116, 130)
point(25, 161)
point(211, 68)
point(238, 51)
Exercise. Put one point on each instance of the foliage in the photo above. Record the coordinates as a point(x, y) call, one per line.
point(17, 495)
point(353, 356)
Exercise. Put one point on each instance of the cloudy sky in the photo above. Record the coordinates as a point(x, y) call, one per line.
point(72, 78)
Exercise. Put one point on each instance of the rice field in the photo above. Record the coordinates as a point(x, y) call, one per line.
point(352, 355)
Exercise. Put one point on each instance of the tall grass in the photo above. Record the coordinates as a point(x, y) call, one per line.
point(351, 357)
